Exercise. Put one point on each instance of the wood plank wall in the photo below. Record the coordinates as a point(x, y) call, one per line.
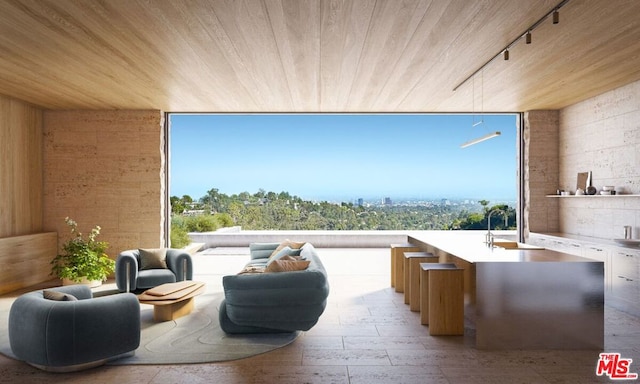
point(21, 187)
point(25, 260)
point(25, 253)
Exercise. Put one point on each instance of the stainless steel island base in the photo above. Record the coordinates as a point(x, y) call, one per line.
point(555, 305)
point(524, 298)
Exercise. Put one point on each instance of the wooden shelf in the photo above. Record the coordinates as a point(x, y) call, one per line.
point(588, 196)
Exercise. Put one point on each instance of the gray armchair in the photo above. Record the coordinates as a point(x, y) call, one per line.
point(131, 277)
point(65, 336)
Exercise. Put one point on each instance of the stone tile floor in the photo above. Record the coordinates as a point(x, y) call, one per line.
point(367, 335)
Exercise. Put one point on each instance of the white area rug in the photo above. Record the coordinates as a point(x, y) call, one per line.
point(195, 338)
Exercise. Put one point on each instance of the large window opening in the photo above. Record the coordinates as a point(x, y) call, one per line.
point(341, 171)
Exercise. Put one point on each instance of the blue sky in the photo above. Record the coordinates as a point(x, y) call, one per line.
point(345, 157)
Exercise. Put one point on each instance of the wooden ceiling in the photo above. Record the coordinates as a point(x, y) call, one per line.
point(313, 55)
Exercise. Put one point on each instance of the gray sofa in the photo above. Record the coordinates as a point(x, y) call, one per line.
point(274, 302)
point(67, 336)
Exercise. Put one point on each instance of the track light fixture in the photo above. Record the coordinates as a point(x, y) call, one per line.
point(555, 15)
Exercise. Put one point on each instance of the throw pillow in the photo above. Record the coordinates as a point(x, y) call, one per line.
point(58, 296)
point(287, 243)
point(286, 258)
point(153, 258)
point(287, 266)
point(286, 251)
point(295, 252)
point(251, 269)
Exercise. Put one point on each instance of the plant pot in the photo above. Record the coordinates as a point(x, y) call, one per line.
point(84, 281)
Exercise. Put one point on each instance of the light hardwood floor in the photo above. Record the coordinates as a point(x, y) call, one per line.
point(367, 335)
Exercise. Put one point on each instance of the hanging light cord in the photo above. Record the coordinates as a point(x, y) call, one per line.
point(481, 121)
point(504, 51)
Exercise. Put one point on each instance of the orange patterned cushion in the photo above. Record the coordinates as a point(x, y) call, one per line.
point(287, 265)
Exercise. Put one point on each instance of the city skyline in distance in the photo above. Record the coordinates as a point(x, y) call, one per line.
point(343, 157)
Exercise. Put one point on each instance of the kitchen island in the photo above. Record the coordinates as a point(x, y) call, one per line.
point(526, 297)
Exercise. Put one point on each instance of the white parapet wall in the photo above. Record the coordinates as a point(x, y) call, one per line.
point(236, 237)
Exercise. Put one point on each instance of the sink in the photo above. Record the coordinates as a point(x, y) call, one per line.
point(628, 242)
point(514, 245)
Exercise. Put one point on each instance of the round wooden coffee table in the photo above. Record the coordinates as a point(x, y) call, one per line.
point(172, 300)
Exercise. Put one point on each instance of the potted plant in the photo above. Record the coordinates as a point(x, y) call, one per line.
point(82, 260)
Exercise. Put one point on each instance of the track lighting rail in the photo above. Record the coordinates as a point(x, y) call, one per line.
point(527, 34)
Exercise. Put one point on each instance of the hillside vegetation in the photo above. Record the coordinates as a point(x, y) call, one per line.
point(282, 211)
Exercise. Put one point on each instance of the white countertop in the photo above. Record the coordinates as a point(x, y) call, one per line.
point(587, 239)
point(470, 246)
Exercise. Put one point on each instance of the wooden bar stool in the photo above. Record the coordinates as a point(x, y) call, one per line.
point(442, 298)
point(397, 263)
point(412, 262)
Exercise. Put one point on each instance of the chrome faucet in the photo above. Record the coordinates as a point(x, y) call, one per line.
point(489, 235)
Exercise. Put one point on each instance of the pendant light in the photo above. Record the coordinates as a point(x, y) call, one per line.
point(481, 121)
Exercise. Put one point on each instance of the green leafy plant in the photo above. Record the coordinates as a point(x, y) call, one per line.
point(82, 258)
point(179, 236)
point(201, 223)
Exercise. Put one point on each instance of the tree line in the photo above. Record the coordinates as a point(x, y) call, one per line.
point(282, 211)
